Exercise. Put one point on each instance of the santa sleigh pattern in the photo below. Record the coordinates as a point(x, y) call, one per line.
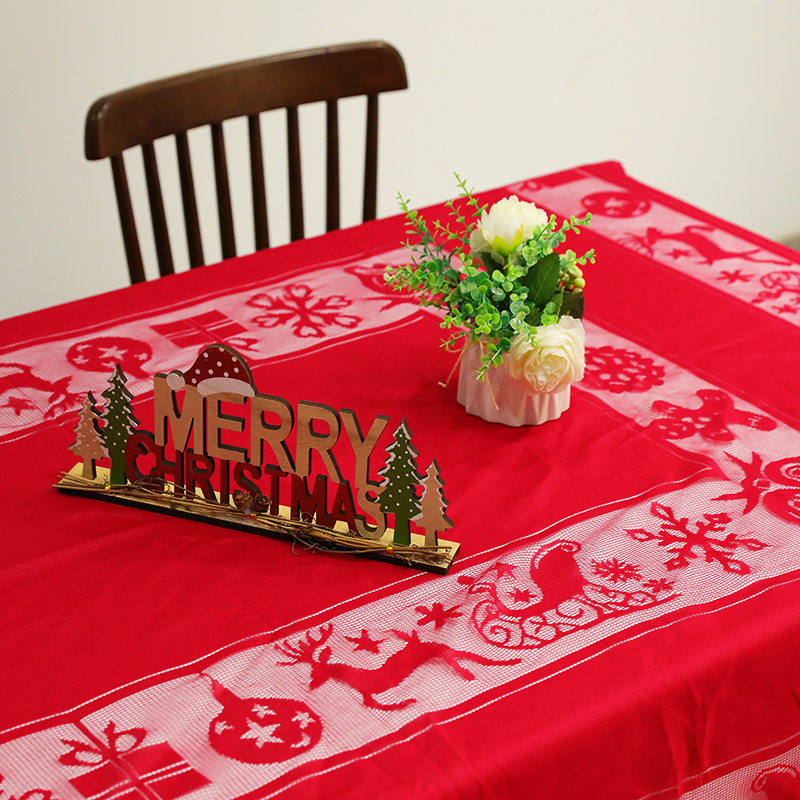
point(567, 600)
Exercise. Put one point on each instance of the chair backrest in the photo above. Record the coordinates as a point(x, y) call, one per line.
point(173, 106)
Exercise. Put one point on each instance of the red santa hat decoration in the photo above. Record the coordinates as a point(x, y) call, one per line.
point(217, 369)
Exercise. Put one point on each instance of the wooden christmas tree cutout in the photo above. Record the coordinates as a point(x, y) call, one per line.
point(88, 444)
point(432, 516)
point(219, 452)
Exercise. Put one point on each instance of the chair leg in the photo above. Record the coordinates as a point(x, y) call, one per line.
point(157, 215)
point(129, 236)
point(224, 207)
point(190, 216)
point(258, 183)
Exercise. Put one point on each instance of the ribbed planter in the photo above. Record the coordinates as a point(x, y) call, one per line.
point(514, 406)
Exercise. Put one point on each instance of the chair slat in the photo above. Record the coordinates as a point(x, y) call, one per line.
point(173, 106)
point(296, 223)
point(332, 196)
point(258, 183)
point(224, 208)
point(157, 215)
point(371, 160)
point(190, 217)
point(129, 236)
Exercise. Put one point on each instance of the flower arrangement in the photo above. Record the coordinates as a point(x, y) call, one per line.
point(503, 286)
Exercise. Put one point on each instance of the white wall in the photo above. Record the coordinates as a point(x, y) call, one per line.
point(695, 96)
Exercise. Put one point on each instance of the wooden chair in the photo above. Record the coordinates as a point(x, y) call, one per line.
point(173, 106)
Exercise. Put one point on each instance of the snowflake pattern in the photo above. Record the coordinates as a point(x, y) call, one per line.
point(616, 571)
point(685, 544)
point(710, 420)
point(308, 314)
point(617, 370)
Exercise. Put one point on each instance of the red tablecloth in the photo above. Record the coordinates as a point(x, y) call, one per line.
point(621, 623)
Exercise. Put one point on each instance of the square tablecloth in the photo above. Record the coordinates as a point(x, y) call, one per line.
point(622, 620)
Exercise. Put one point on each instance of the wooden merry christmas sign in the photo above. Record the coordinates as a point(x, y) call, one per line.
point(219, 453)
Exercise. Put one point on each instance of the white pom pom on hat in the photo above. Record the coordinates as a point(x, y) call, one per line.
point(175, 380)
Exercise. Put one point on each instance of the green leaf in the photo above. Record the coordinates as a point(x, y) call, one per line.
point(534, 319)
point(572, 305)
point(554, 306)
point(542, 280)
point(488, 261)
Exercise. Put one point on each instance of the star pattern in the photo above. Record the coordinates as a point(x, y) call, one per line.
point(263, 734)
point(19, 404)
point(112, 353)
point(504, 569)
point(786, 309)
point(437, 614)
point(365, 642)
point(658, 585)
point(678, 253)
point(520, 595)
point(303, 719)
point(733, 275)
point(261, 711)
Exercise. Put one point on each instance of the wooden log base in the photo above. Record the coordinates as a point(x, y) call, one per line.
point(303, 533)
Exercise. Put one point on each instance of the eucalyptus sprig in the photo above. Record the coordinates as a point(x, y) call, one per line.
point(487, 295)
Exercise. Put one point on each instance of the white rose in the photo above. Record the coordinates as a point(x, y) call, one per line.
point(506, 225)
point(555, 361)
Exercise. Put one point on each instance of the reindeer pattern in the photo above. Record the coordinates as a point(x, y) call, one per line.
point(698, 240)
point(565, 600)
point(708, 251)
point(22, 391)
point(390, 674)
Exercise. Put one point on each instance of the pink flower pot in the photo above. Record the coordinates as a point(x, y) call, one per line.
point(514, 406)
